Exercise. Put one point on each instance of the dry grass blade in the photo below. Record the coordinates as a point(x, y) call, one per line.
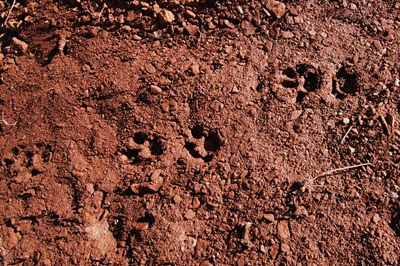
point(8, 124)
point(101, 12)
point(9, 13)
point(331, 172)
point(345, 135)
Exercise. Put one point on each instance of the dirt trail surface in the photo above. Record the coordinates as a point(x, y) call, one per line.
point(198, 132)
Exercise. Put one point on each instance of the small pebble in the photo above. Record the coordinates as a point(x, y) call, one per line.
point(356, 57)
point(235, 90)
point(196, 203)
point(173, 105)
point(268, 46)
point(126, 28)
point(189, 215)
point(351, 150)
point(263, 249)
point(298, 20)
point(150, 68)
point(277, 8)
point(376, 218)
point(190, 14)
point(269, 217)
point(283, 229)
point(285, 248)
point(378, 45)
point(274, 251)
point(165, 107)
point(149, 187)
point(301, 211)
point(352, 6)
point(136, 37)
point(398, 181)
point(194, 69)
point(86, 68)
point(206, 263)
point(166, 17)
point(390, 120)
point(287, 35)
point(177, 199)
point(90, 188)
point(253, 112)
point(121, 19)
point(216, 105)
point(155, 89)
point(20, 45)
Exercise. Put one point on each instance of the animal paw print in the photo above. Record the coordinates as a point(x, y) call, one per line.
point(142, 147)
point(22, 163)
point(203, 144)
point(347, 81)
point(295, 83)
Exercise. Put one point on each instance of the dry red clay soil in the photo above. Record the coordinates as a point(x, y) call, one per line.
point(199, 132)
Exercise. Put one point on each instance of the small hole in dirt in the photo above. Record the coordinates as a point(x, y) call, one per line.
point(15, 151)
point(311, 75)
point(8, 162)
point(212, 143)
point(296, 128)
point(181, 161)
point(131, 153)
point(29, 154)
point(139, 138)
point(39, 145)
point(385, 33)
point(348, 80)
point(34, 172)
point(290, 72)
point(208, 158)
point(296, 186)
point(398, 108)
point(312, 82)
point(190, 147)
point(350, 84)
point(301, 69)
point(148, 218)
point(260, 87)
point(46, 156)
point(290, 83)
point(156, 147)
point(197, 132)
point(300, 96)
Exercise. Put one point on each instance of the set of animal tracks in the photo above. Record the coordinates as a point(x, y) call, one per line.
point(197, 142)
point(293, 84)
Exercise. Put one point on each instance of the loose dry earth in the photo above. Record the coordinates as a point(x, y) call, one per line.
point(192, 132)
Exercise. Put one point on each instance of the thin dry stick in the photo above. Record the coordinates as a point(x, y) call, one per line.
point(9, 13)
point(8, 124)
point(345, 135)
point(101, 11)
point(331, 172)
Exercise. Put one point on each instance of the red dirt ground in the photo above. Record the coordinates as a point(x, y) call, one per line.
point(199, 132)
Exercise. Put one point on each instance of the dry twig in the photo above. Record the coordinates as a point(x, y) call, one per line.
point(331, 172)
point(9, 13)
point(8, 124)
point(309, 182)
point(345, 135)
point(101, 11)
